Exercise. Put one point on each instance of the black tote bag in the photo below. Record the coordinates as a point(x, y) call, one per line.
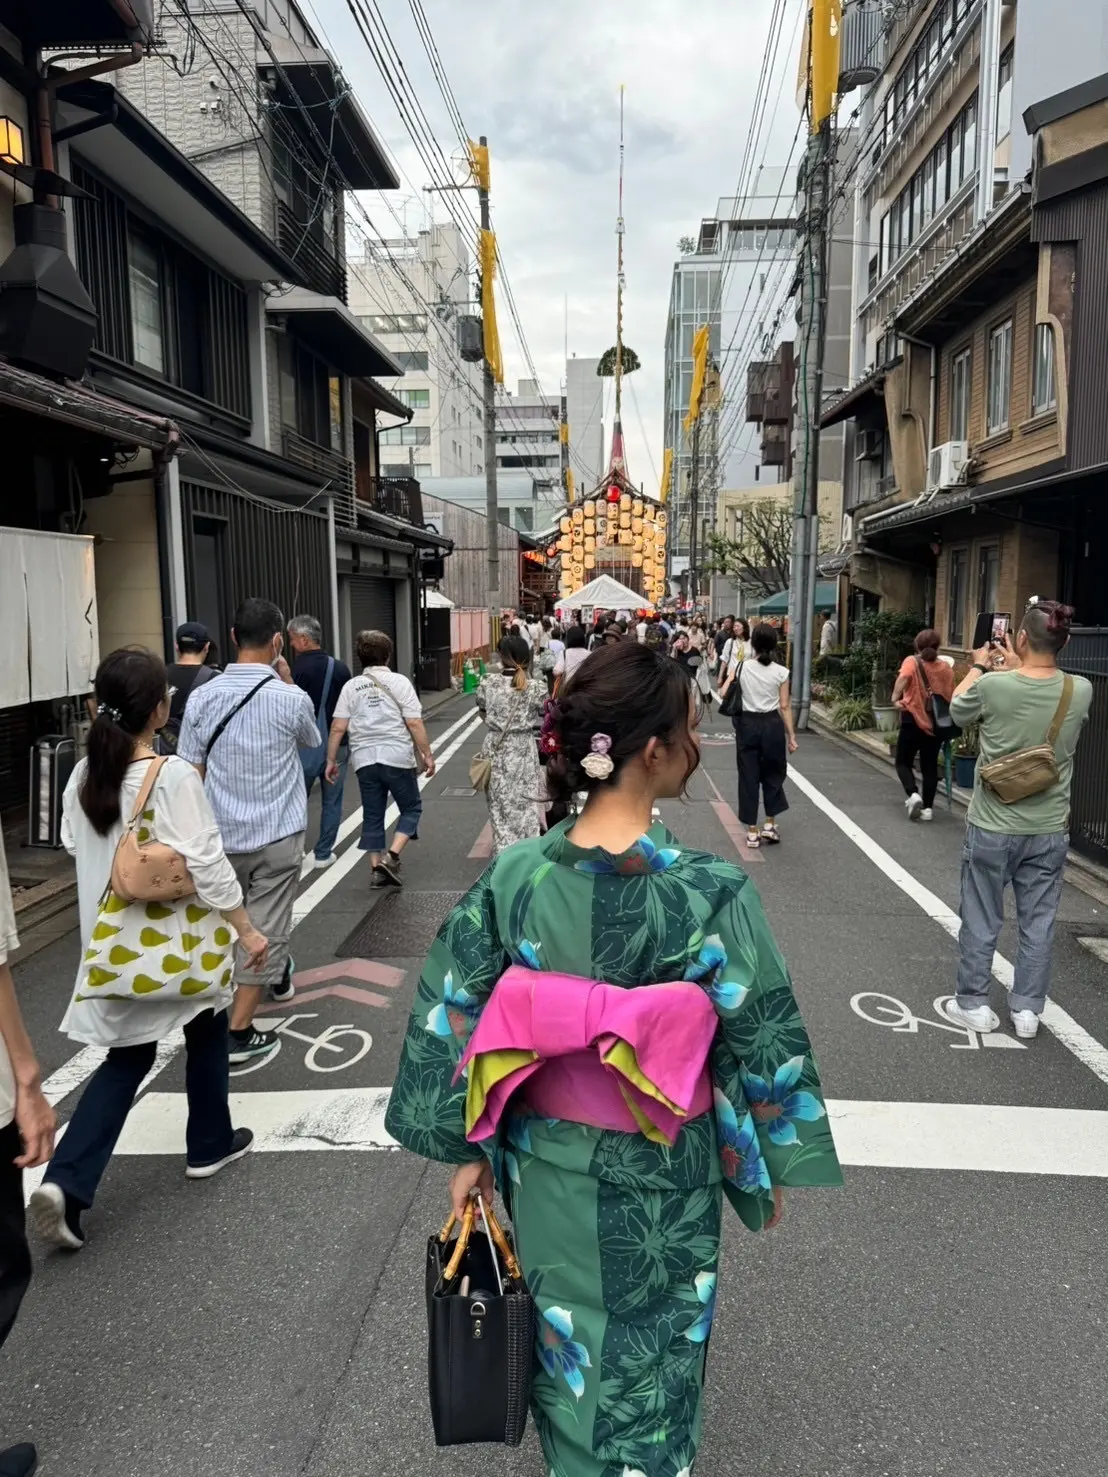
point(481, 1344)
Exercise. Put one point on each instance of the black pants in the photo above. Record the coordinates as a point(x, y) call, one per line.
point(15, 1257)
point(760, 741)
point(912, 741)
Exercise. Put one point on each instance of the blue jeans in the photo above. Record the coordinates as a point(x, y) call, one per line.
point(1034, 865)
point(82, 1155)
point(377, 782)
point(314, 762)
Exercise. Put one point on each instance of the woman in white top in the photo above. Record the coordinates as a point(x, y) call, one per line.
point(132, 705)
point(736, 648)
point(763, 732)
point(577, 649)
point(382, 713)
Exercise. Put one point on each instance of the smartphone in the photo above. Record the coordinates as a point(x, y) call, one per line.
point(991, 629)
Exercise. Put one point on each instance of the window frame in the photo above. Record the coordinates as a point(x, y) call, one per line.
point(1043, 332)
point(956, 635)
point(137, 237)
point(987, 598)
point(1002, 330)
point(960, 396)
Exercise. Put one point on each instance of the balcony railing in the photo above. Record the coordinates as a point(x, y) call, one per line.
point(396, 497)
point(774, 446)
point(756, 378)
point(329, 466)
point(324, 273)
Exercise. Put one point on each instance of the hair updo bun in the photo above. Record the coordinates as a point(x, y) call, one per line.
point(627, 692)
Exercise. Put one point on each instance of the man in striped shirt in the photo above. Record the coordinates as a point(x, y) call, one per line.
point(243, 731)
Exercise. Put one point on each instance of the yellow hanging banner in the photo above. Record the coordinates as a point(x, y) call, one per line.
point(479, 163)
point(571, 487)
point(825, 19)
point(563, 433)
point(667, 474)
point(488, 305)
point(699, 369)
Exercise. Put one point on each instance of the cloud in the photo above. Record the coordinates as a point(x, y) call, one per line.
point(542, 82)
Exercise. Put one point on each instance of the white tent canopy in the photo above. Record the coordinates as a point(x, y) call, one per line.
point(436, 600)
point(604, 593)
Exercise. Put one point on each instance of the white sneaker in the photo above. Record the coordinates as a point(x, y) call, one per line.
point(914, 806)
point(927, 814)
point(1026, 1024)
point(321, 863)
point(980, 1018)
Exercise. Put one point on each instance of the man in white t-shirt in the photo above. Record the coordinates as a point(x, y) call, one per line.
point(27, 1124)
point(381, 714)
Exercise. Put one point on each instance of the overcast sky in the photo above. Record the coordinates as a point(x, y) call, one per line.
point(543, 83)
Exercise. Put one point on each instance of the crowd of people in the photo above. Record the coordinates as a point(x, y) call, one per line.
point(206, 774)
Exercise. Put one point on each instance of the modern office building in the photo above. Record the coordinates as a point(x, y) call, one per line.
point(409, 292)
point(735, 276)
point(528, 440)
point(585, 414)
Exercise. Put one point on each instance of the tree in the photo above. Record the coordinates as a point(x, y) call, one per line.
point(686, 245)
point(760, 556)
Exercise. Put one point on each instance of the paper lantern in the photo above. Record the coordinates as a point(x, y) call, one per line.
point(566, 524)
point(578, 516)
point(590, 526)
point(636, 524)
point(636, 561)
point(625, 503)
point(590, 508)
point(637, 506)
point(660, 519)
point(636, 543)
point(613, 494)
point(648, 512)
point(625, 537)
point(590, 545)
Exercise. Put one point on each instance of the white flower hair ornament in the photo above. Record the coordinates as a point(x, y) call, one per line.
point(598, 764)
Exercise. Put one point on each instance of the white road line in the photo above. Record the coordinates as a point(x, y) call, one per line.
point(327, 881)
point(920, 1136)
point(352, 822)
point(1073, 1037)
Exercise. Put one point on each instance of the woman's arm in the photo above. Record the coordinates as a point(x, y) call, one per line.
point(899, 689)
point(784, 702)
point(422, 742)
point(334, 743)
point(34, 1117)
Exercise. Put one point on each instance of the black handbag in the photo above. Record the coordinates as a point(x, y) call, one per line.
point(481, 1342)
point(732, 704)
point(941, 721)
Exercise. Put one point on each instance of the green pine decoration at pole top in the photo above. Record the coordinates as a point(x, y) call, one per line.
point(607, 366)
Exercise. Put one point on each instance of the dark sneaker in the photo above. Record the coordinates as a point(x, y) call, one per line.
point(284, 989)
point(57, 1219)
point(388, 870)
point(241, 1142)
point(244, 1046)
point(18, 1461)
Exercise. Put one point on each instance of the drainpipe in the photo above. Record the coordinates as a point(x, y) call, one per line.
point(933, 392)
point(986, 107)
point(48, 86)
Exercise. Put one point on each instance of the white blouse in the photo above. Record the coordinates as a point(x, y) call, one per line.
point(183, 819)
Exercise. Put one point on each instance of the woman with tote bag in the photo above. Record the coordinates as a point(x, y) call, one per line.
point(154, 963)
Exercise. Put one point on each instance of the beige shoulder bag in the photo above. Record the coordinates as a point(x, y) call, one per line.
point(1029, 772)
point(144, 870)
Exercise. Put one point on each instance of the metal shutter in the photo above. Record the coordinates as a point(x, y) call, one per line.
point(16, 734)
point(372, 606)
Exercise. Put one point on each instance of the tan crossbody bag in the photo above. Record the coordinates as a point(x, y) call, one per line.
point(1029, 771)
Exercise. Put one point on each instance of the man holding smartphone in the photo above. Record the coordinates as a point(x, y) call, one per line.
point(1017, 694)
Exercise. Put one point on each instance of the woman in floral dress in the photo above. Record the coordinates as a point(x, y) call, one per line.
point(616, 1200)
point(511, 703)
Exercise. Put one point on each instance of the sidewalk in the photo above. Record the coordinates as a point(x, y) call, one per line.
point(1081, 873)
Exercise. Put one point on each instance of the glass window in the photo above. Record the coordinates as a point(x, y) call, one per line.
point(147, 326)
point(927, 191)
point(905, 220)
point(416, 359)
point(917, 203)
point(1004, 95)
point(942, 182)
point(960, 396)
point(988, 573)
point(883, 250)
point(406, 436)
point(1044, 395)
point(417, 399)
point(334, 401)
point(969, 139)
point(1000, 377)
point(423, 469)
point(956, 597)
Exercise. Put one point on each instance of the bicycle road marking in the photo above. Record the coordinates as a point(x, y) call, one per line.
point(892, 1013)
point(1084, 1046)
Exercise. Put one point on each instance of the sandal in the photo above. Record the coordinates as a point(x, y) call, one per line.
point(771, 835)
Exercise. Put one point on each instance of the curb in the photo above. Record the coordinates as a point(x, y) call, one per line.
point(1081, 873)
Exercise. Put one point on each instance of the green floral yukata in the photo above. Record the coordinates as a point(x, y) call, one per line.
point(619, 1236)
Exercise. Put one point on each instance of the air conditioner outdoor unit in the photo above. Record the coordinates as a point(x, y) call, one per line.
point(868, 445)
point(947, 466)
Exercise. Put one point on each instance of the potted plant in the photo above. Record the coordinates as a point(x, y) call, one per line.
point(966, 750)
point(882, 639)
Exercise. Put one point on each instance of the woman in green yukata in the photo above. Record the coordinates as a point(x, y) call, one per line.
point(616, 1122)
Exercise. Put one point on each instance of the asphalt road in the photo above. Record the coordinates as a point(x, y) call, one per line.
point(944, 1314)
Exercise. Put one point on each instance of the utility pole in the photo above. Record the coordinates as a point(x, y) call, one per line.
point(492, 510)
point(805, 550)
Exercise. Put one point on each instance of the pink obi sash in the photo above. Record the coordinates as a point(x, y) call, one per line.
point(628, 1059)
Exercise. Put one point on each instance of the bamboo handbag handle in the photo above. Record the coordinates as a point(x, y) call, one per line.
point(511, 1265)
